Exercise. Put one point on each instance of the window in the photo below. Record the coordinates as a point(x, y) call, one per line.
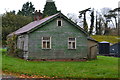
point(46, 42)
point(59, 22)
point(71, 43)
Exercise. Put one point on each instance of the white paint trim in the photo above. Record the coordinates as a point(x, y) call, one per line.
point(46, 43)
point(75, 43)
point(42, 43)
point(50, 42)
point(71, 42)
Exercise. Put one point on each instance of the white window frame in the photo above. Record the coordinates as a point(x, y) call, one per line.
point(71, 44)
point(46, 43)
point(58, 21)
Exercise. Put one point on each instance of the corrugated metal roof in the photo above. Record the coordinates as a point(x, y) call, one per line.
point(31, 25)
point(104, 42)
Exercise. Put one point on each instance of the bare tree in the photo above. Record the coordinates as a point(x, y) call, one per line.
point(92, 22)
point(83, 12)
point(114, 13)
point(73, 17)
point(105, 19)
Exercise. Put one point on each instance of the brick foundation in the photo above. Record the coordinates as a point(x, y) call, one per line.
point(58, 60)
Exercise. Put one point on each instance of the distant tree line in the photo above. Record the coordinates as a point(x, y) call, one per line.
point(103, 22)
point(12, 22)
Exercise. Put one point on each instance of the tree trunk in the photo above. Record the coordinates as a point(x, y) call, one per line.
point(92, 23)
point(96, 26)
point(106, 29)
point(116, 23)
point(85, 26)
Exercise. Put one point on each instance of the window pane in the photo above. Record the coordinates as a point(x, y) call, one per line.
point(69, 45)
point(46, 38)
point(48, 44)
point(73, 45)
point(71, 39)
point(59, 23)
point(44, 44)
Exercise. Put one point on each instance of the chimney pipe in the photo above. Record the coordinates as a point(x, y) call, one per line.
point(38, 15)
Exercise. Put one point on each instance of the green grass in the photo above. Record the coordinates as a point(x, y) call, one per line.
point(103, 67)
point(111, 39)
point(2, 50)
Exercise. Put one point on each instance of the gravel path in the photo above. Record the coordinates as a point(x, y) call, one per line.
point(8, 76)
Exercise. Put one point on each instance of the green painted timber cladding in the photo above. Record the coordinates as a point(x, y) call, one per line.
point(59, 42)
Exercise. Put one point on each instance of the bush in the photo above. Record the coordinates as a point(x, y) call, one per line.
point(3, 51)
point(11, 44)
point(19, 53)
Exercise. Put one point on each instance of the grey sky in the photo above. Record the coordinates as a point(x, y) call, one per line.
point(66, 6)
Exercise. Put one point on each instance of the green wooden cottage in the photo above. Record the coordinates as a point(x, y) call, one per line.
point(53, 37)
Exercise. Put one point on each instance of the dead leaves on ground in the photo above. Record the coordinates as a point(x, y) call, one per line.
point(17, 75)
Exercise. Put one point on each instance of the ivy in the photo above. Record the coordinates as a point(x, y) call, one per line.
point(11, 44)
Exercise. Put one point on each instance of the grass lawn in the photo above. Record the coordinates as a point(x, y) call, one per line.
point(103, 67)
point(111, 39)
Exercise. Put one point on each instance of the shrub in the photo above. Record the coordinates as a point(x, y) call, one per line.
point(11, 44)
point(3, 51)
point(19, 53)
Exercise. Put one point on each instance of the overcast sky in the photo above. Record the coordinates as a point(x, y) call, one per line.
point(66, 6)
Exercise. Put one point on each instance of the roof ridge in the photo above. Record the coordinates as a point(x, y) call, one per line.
point(32, 25)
